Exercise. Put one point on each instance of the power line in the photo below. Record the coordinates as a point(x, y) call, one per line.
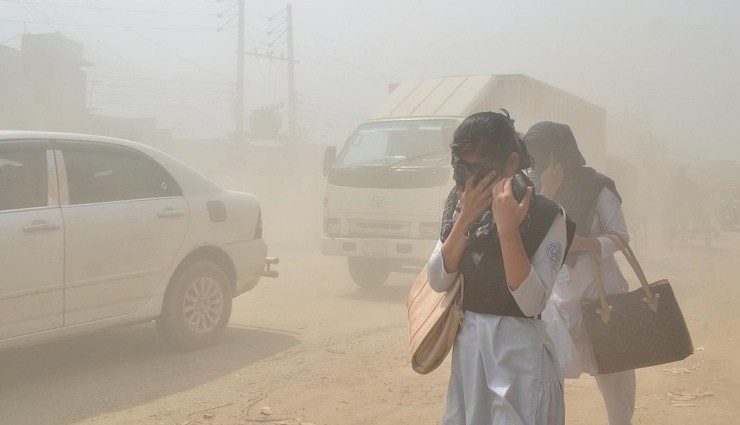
point(129, 77)
point(328, 112)
point(325, 107)
point(344, 71)
point(348, 109)
point(326, 117)
point(328, 56)
point(109, 9)
point(267, 56)
point(49, 22)
point(180, 89)
point(253, 32)
point(151, 105)
point(340, 43)
point(97, 40)
point(227, 25)
point(253, 13)
point(189, 116)
point(255, 41)
point(37, 13)
point(222, 13)
point(341, 103)
point(165, 48)
point(160, 96)
point(124, 27)
point(258, 29)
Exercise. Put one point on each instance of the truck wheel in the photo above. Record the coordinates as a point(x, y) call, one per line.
point(368, 272)
point(197, 306)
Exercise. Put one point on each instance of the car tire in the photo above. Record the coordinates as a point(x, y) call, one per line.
point(368, 272)
point(197, 306)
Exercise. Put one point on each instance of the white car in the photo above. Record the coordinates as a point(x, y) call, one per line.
point(97, 232)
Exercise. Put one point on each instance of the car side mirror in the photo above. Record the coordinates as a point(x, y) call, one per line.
point(330, 155)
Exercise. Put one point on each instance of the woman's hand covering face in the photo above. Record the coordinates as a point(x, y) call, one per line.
point(507, 212)
point(476, 198)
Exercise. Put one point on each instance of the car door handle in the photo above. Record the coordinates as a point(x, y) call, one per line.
point(41, 226)
point(170, 212)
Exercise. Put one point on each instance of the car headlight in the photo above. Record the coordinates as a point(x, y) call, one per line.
point(332, 226)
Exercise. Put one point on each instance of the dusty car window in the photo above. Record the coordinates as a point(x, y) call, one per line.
point(106, 176)
point(22, 179)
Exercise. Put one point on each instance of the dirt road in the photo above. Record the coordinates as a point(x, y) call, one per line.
point(314, 349)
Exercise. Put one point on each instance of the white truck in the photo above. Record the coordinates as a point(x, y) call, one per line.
point(387, 186)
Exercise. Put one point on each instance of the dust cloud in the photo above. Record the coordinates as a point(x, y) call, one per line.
point(314, 346)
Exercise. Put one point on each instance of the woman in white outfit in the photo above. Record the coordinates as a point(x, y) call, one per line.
point(503, 367)
point(591, 200)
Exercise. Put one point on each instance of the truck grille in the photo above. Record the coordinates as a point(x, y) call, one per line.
point(379, 228)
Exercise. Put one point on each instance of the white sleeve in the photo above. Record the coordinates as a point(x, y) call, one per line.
point(439, 279)
point(611, 220)
point(532, 295)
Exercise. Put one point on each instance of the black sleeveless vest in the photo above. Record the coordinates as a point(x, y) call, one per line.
point(485, 289)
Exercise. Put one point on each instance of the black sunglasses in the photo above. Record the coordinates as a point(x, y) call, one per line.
point(462, 171)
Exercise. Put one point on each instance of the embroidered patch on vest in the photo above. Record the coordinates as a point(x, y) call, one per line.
point(554, 254)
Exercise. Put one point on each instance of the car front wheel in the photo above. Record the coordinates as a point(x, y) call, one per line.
point(197, 306)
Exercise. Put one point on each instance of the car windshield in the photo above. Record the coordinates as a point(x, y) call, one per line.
point(398, 143)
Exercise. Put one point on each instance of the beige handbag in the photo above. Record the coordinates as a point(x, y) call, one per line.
point(434, 318)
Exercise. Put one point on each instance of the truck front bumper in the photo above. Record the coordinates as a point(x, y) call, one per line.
point(411, 249)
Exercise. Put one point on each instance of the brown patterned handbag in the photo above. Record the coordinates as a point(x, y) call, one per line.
point(636, 329)
point(434, 318)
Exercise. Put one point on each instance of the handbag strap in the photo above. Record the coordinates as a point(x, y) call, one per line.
point(605, 309)
point(650, 298)
point(454, 294)
point(634, 263)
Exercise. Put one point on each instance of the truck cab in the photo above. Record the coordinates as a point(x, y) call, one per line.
point(385, 194)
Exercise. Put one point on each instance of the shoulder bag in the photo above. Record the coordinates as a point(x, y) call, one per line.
point(641, 328)
point(434, 318)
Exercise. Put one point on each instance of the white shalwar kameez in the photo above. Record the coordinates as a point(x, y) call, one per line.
point(504, 371)
point(578, 282)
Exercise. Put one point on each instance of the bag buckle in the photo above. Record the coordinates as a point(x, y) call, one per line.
point(605, 314)
point(652, 302)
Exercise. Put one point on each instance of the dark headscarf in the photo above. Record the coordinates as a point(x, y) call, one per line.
point(581, 186)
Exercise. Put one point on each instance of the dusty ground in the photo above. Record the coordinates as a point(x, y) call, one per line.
point(314, 349)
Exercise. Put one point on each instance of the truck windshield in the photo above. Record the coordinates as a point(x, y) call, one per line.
point(398, 143)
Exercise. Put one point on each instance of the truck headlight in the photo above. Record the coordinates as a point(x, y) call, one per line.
point(332, 226)
point(429, 230)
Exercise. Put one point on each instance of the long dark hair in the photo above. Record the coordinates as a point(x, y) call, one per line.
point(490, 134)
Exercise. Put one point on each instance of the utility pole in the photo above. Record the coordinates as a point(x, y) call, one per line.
point(239, 128)
point(292, 121)
point(289, 58)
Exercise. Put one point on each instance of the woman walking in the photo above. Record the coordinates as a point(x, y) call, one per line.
point(591, 200)
point(509, 251)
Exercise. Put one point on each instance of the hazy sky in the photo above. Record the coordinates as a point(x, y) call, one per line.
point(667, 67)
